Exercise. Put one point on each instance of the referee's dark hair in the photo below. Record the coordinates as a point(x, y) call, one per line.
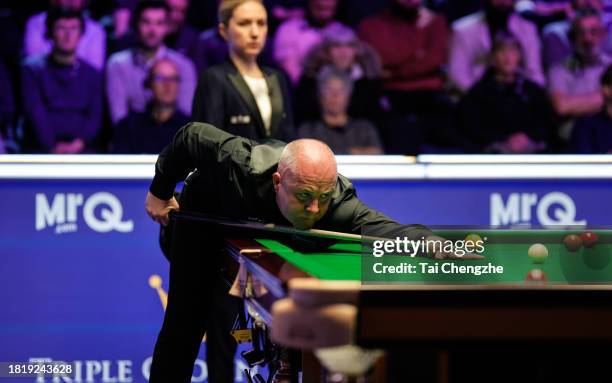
point(148, 4)
point(56, 13)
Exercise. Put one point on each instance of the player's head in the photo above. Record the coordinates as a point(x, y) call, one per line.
point(587, 32)
point(151, 20)
point(305, 181)
point(178, 14)
point(335, 87)
point(244, 25)
point(164, 79)
point(64, 28)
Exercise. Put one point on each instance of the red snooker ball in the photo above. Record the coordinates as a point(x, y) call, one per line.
point(589, 239)
point(536, 275)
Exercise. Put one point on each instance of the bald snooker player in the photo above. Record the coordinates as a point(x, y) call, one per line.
point(293, 184)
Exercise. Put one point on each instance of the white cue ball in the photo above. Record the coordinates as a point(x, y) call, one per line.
point(538, 253)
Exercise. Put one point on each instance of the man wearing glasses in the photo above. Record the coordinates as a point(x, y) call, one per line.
point(150, 131)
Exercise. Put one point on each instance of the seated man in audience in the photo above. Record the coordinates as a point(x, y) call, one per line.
point(471, 43)
point(593, 134)
point(295, 37)
point(127, 70)
point(556, 44)
point(413, 76)
point(343, 134)
point(505, 112)
point(150, 131)
point(574, 85)
point(412, 67)
point(62, 94)
point(181, 37)
point(92, 46)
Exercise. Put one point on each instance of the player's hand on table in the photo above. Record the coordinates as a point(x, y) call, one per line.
point(448, 254)
point(158, 209)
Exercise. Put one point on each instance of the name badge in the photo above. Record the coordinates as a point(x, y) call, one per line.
point(240, 119)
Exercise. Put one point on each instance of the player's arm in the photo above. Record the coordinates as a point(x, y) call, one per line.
point(350, 214)
point(195, 146)
point(357, 217)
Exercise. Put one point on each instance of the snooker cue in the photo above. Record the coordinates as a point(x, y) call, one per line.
point(268, 227)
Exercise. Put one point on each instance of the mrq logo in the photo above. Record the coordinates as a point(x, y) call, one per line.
point(552, 209)
point(102, 212)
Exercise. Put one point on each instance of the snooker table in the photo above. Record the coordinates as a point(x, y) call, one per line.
point(441, 311)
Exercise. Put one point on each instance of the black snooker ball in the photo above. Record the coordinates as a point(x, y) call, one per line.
point(572, 242)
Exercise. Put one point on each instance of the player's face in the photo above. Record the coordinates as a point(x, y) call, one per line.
point(165, 82)
point(334, 96)
point(247, 29)
point(589, 34)
point(178, 12)
point(304, 199)
point(66, 35)
point(506, 59)
point(342, 56)
point(323, 10)
point(152, 27)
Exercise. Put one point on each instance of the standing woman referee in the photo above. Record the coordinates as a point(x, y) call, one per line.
point(239, 96)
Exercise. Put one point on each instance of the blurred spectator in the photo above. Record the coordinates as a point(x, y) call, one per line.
point(574, 85)
point(181, 37)
point(505, 112)
point(543, 12)
point(471, 43)
point(7, 103)
point(336, 128)
point(127, 70)
point(240, 96)
point(295, 37)
point(593, 134)
point(342, 50)
point(556, 42)
point(62, 94)
point(150, 131)
point(412, 71)
point(409, 64)
point(92, 48)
